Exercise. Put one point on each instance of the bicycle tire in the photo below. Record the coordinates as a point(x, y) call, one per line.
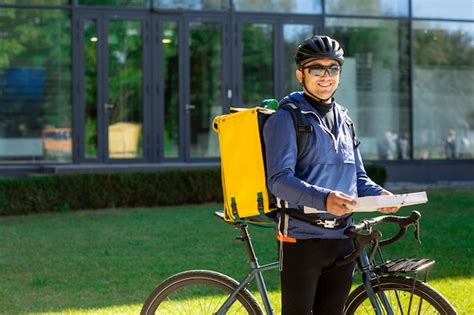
point(198, 292)
point(398, 290)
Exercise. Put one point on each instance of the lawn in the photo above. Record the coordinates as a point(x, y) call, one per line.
point(108, 261)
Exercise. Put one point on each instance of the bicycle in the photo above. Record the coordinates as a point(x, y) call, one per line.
point(385, 288)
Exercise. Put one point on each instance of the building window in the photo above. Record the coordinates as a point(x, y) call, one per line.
point(171, 134)
point(257, 64)
point(367, 7)
point(217, 5)
point(35, 85)
point(453, 9)
point(36, 2)
point(374, 83)
point(124, 3)
point(90, 88)
point(205, 73)
point(293, 35)
point(279, 6)
point(443, 74)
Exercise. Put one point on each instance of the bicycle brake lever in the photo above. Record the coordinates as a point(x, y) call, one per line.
point(417, 232)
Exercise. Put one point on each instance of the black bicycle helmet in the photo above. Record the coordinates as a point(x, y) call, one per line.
point(318, 47)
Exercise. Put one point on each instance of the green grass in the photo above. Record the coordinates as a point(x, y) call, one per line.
point(107, 262)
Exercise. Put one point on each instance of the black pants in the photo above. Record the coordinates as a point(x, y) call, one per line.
point(309, 281)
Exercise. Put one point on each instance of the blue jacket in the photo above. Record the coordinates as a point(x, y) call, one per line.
point(329, 164)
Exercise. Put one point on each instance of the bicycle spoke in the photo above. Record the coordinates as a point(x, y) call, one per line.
point(402, 302)
point(398, 302)
point(191, 300)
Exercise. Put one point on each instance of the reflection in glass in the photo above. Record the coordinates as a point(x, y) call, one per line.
point(125, 3)
point(374, 83)
point(219, 5)
point(35, 81)
point(125, 76)
point(443, 76)
point(257, 63)
point(90, 88)
point(171, 134)
point(205, 50)
point(279, 6)
point(368, 7)
point(36, 2)
point(293, 35)
point(453, 9)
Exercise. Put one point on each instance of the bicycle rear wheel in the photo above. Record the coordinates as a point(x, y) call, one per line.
point(424, 300)
point(198, 292)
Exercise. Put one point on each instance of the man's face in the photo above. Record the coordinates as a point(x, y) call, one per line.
point(321, 86)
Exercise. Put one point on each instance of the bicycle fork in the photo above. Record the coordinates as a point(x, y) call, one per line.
point(364, 265)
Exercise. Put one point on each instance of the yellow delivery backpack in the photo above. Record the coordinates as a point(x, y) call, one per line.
point(242, 154)
point(242, 162)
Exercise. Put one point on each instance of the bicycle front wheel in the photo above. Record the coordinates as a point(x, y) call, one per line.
point(402, 296)
point(198, 292)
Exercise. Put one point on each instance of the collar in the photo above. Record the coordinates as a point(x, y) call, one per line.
point(299, 100)
point(318, 105)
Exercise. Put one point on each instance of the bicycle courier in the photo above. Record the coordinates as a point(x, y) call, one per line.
point(333, 164)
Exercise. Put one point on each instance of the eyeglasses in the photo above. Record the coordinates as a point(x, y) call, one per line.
point(319, 70)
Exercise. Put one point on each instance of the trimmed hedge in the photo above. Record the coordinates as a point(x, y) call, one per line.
point(59, 193)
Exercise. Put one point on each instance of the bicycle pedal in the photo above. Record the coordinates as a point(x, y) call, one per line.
point(405, 265)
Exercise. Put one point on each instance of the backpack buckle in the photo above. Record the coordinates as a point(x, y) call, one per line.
point(328, 224)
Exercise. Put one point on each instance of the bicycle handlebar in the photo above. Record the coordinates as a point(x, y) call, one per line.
point(403, 223)
point(367, 224)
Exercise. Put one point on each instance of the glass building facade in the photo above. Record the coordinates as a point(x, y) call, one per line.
point(138, 82)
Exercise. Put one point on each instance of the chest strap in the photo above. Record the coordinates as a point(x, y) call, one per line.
point(314, 219)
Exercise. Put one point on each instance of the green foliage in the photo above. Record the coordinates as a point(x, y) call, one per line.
point(257, 63)
point(442, 47)
point(62, 193)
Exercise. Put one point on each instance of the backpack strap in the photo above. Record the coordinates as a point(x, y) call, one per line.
point(302, 127)
point(350, 123)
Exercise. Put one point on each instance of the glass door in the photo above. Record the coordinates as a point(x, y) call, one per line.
point(124, 81)
point(257, 61)
point(112, 92)
point(292, 35)
point(207, 79)
point(264, 62)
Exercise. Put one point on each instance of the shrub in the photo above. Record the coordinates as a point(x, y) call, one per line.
point(377, 173)
point(61, 193)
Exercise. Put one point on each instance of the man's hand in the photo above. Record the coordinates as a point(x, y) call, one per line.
point(388, 209)
point(338, 203)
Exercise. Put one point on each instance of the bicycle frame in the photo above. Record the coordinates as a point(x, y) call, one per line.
point(256, 274)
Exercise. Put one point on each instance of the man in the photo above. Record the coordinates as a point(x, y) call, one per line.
point(324, 180)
